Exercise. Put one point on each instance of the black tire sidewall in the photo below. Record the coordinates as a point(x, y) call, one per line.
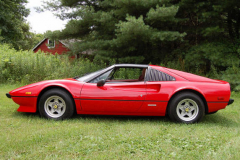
point(185, 95)
point(64, 95)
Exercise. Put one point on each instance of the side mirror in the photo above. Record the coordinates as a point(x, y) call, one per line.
point(101, 83)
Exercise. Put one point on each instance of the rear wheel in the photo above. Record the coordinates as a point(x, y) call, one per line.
point(56, 104)
point(186, 107)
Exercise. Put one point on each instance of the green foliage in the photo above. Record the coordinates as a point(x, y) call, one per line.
point(201, 37)
point(29, 40)
point(161, 15)
point(200, 58)
point(150, 31)
point(127, 73)
point(27, 67)
point(231, 74)
point(12, 23)
point(127, 31)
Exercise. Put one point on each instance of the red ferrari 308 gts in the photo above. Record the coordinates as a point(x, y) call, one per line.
point(126, 89)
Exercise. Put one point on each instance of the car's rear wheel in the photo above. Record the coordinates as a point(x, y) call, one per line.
point(186, 107)
point(56, 104)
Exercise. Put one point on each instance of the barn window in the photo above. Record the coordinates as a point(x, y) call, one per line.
point(51, 43)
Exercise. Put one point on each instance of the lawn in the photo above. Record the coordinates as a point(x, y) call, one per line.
point(27, 136)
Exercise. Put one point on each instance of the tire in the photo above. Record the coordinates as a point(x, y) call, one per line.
point(186, 107)
point(56, 104)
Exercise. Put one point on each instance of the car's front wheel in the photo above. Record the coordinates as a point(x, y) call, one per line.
point(56, 104)
point(186, 107)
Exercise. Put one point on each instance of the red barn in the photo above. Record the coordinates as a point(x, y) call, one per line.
point(51, 46)
point(60, 47)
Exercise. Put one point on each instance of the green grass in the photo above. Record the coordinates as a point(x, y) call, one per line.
point(27, 136)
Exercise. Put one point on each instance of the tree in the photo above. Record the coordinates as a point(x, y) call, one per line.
point(28, 39)
point(136, 31)
point(212, 34)
point(12, 22)
point(196, 35)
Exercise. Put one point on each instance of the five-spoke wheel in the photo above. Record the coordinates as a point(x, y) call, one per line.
point(56, 104)
point(186, 107)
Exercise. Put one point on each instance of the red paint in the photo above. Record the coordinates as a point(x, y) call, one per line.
point(128, 98)
point(59, 48)
point(27, 104)
point(212, 107)
point(116, 97)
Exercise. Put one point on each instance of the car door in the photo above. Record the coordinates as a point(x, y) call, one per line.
point(159, 86)
point(116, 95)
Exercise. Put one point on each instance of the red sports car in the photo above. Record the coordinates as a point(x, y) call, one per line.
point(126, 89)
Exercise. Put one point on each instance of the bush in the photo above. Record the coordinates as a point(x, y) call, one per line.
point(232, 75)
point(27, 67)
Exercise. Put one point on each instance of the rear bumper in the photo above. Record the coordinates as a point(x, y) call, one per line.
point(8, 95)
point(230, 101)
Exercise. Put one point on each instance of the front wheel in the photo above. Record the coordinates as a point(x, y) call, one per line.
point(56, 104)
point(186, 107)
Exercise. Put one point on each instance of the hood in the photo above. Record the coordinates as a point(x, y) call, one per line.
point(35, 88)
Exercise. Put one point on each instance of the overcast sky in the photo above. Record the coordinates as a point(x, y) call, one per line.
point(41, 22)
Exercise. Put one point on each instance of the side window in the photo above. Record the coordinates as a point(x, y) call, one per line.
point(122, 75)
point(126, 74)
point(103, 76)
point(156, 75)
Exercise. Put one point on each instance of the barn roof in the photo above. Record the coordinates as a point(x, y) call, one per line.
point(67, 43)
point(39, 43)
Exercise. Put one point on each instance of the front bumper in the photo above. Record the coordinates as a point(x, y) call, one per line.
point(8, 95)
point(230, 101)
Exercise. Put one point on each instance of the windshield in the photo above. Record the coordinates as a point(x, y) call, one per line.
point(92, 75)
point(83, 78)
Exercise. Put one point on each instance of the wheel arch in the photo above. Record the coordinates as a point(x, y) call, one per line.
point(189, 90)
point(54, 87)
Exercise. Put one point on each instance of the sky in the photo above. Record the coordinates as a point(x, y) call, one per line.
point(41, 22)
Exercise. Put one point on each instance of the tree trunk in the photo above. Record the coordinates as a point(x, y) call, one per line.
point(229, 22)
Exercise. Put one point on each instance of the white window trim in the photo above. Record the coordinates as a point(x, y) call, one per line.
point(53, 44)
